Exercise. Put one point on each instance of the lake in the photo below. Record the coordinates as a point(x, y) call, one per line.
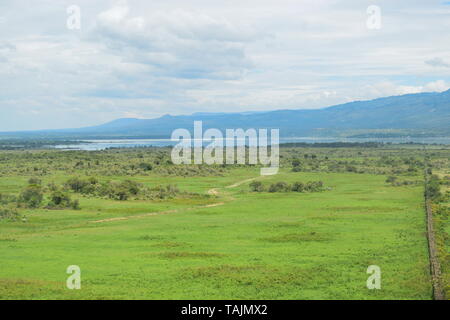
point(95, 145)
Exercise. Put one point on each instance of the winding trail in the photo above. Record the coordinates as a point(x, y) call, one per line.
point(237, 184)
point(213, 192)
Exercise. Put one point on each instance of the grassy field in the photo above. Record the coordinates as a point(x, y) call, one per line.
point(232, 244)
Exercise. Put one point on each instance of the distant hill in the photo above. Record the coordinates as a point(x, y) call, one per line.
point(424, 114)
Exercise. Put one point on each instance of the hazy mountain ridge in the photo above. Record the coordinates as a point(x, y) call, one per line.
point(422, 113)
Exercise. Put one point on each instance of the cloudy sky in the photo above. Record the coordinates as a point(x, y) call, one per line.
point(149, 58)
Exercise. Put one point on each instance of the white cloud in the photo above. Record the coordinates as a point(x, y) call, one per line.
point(437, 62)
point(178, 44)
point(149, 58)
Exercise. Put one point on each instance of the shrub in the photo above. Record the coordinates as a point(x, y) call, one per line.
point(116, 191)
point(256, 186)
point(145, 166)
point(34, 181)
point(61, 200)
point(6, 198)
point(31, 196)
point(279, 187)
point(52, 186)
point(391, 179)
point(314, 186)
point(311, 186)
point(131, 186)
point(298, 187)
point(433, 188)
point(162, 192)
point(296, 163)
point(77, 184)
point(9, 213)
point(75, 204)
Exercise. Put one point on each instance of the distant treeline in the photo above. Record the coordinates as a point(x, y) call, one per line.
point(20, 144)
point(332, 145)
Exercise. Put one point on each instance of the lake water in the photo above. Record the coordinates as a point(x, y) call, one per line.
point(94, 145)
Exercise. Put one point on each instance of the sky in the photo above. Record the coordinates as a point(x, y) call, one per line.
point(68, 64)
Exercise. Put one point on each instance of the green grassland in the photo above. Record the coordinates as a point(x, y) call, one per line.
point(228, 244)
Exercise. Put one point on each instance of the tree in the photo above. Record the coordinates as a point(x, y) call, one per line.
point(32, 196)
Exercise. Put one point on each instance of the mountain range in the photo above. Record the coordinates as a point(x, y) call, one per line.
point(420, 114)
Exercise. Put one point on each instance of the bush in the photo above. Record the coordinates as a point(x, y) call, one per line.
point(279, 187)
point(61, 200)
point(298, 187)
point(77, 185)
point(34, 181)
point(311, 186)
point(314, 186)
point(391, 179)
point(296, 163)
point(433, 188)
point(9, 213)
point(75, 205)
point(131, 186)
point(6, 198)
point(161, 192)
point(145, 166)
point(32, 196)
point(116, 191)
point(256, 186)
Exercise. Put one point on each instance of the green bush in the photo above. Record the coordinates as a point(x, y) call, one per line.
point(298, 187)
point(256, 186)
point(391, 179)
point(279, 187)
point(9, 213)
point(311, 186)
point(145, 166)
point(314, 186)
point(77, 185)
point(163, 192)
point(34, 181)
point(433, 189)
point(31, 196)
point(6, 198)
point(61, 200)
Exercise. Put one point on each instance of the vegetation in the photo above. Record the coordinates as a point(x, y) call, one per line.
point(141, 227)
point(9, 213)
point(311, 186)
point(438, 191)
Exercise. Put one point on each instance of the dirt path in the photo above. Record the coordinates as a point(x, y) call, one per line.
point(158, 213)
point(213, 191)
point(237, 184)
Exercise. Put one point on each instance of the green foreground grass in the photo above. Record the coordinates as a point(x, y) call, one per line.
point(254, 246)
